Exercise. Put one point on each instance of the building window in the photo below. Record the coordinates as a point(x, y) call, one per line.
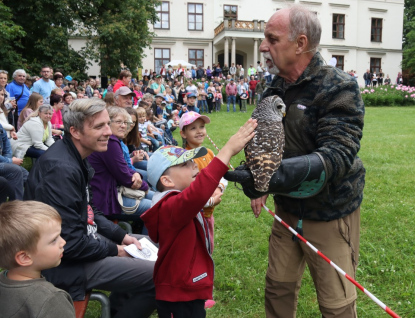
point(340, 61)
point(376, 32)
point(195, 16)
point(230, 12)
point(161, 57)
point(375, 64)
point(196, 57)
point(338, 26)
point(163, 14)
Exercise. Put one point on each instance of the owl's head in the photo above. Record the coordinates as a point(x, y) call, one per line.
point(277, 107)
point(270, 108)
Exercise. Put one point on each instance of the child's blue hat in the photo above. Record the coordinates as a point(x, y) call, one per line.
point(169, 156)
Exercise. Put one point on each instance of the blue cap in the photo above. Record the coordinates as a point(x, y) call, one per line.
point(169, 156)
point(69, 78)
point(191, 95)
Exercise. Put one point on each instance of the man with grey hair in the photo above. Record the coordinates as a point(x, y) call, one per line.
point(318, 188)
point(124, 97)
point(94, 255)
point(18, 90)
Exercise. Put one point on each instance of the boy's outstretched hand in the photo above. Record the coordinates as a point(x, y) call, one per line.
point(238, 141)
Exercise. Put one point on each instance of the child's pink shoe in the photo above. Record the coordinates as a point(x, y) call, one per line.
point(209, 303)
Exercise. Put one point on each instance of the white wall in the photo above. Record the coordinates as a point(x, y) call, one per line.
point(356, 47)
point(77, 44)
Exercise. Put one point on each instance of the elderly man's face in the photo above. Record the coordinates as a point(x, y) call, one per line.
point(124, 101)
point(20, 78)
point(278, 50)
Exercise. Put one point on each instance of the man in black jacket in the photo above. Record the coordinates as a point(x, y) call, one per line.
point(94, 255)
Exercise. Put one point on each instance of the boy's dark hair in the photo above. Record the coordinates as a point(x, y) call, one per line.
point(21, 223)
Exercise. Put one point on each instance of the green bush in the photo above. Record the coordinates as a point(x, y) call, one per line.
point(388, 96)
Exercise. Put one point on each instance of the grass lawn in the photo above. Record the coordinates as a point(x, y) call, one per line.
point(387, 250)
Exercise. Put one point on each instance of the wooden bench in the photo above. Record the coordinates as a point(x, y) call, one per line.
point(81, 305)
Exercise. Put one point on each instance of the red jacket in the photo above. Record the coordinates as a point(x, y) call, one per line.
point(117, 85)
point(184, 269)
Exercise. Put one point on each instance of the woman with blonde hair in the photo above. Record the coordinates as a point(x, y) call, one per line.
point(34, 102)
point(35, 136)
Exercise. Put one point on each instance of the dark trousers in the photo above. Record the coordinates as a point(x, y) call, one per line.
point(210, 105)
point(130, 281)
point(181, 309)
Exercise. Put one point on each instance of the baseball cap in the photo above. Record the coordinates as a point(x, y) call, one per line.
point(191, 95)
point(190, 117)
point(164, 102)
point(169, 156)
point(160, 95)
point(124, 91)
point(232, 79)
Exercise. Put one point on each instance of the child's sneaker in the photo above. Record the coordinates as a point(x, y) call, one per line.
point(209, 303)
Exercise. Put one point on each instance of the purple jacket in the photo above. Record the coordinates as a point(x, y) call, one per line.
point(111, 170)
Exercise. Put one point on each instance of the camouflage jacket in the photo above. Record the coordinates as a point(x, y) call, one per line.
point(324, 114)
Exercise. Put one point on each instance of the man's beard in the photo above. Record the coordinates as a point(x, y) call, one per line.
point(274, 69)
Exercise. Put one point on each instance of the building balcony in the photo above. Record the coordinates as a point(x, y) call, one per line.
point(238, 25)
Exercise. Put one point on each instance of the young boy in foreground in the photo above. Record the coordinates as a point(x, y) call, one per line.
point(184, 270)
point(29, 243)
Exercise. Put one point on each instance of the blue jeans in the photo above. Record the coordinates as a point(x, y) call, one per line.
point(142, 165)
point(145, 204)
point(231, 99)
point(202, 105)
point(34, 152)
point(258, 98)
point(16, 176)
point(143, 174)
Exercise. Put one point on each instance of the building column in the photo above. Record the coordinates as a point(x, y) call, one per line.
point(255, 52)
point(261, 56)
point(226, 52)
point(233, 53)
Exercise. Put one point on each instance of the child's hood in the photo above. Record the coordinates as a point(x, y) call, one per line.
point(151, 216)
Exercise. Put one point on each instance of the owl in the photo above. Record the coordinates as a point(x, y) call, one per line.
point(264, 152)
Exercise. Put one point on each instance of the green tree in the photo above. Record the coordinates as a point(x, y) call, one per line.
point(408, 56)
point(10, 38)
point(117, 32)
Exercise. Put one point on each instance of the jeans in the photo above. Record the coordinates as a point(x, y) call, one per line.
point(142, 165)
point(145, 204)
point(16, 177)
point(202, 105)
point(34, 152)
point(231, 99)
point(258, 98)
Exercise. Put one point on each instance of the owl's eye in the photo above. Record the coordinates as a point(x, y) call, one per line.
point(279, 106)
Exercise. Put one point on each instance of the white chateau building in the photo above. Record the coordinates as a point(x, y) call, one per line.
point(361, 34)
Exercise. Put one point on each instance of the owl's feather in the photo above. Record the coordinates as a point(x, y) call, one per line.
point(264, 152)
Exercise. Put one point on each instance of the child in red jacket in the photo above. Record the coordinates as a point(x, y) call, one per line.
point(184, 271)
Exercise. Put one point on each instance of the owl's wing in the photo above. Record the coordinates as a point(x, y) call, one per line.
point(264, 153)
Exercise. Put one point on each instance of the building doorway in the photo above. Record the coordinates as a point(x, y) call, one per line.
point(239, 59)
